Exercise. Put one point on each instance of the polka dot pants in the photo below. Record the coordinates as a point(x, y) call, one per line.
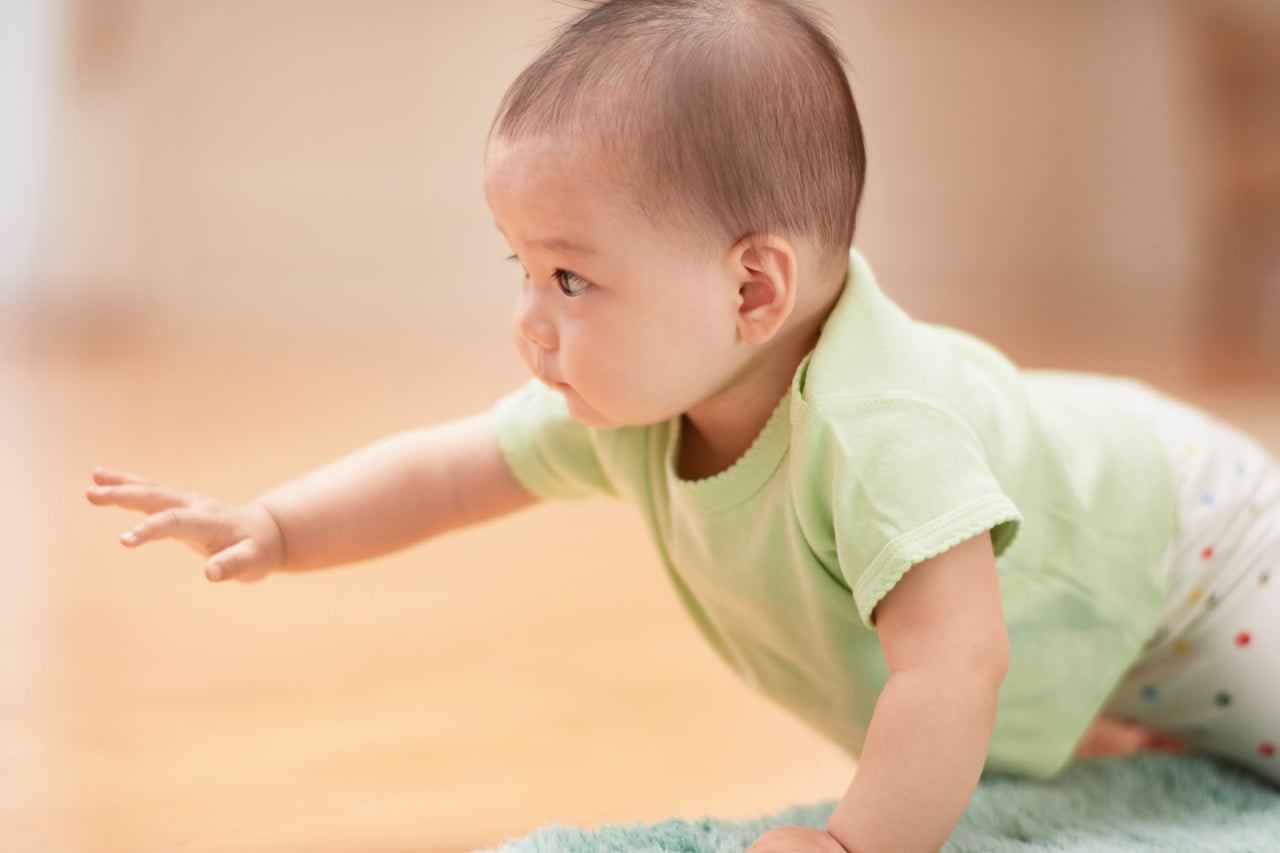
point(1210, 673)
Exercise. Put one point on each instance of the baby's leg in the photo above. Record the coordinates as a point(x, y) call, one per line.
point(1208, 675)
point(1213, 684)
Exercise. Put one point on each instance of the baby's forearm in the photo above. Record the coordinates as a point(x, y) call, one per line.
point(923, 756)
point(394, 493)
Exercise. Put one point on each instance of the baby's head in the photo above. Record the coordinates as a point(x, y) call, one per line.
point(729, 116)
point(671, 136)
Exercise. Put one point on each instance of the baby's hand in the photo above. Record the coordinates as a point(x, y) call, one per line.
point(1109, 737)
point(796, 839)
point(242, 542)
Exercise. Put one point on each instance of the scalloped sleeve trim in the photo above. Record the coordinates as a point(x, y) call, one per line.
point(993, 512)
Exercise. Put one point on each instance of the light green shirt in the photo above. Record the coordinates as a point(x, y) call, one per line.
point(897, 441)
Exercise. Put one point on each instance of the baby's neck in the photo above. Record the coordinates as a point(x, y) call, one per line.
point(715, 435)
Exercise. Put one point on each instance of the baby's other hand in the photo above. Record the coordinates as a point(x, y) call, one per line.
point(242, 542)
point(1111, 737)
point(796, 839)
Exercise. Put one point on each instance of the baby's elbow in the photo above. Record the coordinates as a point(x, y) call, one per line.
point(993, 662)
point(985, 661)
point(996, 674)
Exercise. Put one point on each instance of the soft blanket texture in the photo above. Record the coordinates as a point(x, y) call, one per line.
point(1149, 802)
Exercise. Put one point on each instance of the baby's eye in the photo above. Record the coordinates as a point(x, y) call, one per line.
point(571, 284)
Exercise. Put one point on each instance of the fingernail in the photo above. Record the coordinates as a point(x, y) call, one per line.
point(214, 572)
point(130, 537)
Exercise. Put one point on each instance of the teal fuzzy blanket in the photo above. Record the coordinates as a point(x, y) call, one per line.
point(1149, 802)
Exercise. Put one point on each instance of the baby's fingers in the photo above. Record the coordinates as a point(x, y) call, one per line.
point(108, 477)
point(145, 498)
point(242, 561)
point(177, 523)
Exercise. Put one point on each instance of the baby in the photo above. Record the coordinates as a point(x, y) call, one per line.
point(940, 562)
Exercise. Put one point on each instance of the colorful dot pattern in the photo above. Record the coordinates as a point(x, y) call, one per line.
point(1150, 693)
point(1205, 676)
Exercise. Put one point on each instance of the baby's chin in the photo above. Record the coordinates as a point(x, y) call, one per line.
point(589, 416)
point(585, 414)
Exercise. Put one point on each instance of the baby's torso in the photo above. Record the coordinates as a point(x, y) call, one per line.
point(762, 592)
point(758, 568)
point(897, 440)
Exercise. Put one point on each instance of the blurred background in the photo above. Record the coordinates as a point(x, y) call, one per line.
point(240, 238)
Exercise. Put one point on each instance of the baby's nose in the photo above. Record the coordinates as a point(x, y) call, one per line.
point(534, 324)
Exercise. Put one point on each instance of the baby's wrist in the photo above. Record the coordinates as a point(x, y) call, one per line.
point(275, 535)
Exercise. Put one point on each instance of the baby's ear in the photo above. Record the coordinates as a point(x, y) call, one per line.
point(764, 267)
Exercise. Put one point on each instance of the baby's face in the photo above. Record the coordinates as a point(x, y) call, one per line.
point(629, 325)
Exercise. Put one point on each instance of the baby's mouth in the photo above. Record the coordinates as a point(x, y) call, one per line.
point(553, 384)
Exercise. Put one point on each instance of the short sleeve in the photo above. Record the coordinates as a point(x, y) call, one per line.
point(551, 454)
point(903, 481)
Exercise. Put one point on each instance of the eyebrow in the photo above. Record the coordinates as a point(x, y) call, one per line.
point(569, 247)
point(559, 244)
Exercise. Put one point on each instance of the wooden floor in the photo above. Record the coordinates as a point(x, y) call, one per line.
point(472, 688)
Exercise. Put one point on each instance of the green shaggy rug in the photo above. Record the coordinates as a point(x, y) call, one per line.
point(1149, 802)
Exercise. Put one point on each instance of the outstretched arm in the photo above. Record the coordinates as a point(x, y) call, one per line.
point(381, 498)
point(396, 492)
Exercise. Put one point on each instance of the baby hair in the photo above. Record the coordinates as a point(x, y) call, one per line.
point(730, 115)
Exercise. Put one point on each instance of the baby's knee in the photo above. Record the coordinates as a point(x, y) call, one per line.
point(795, 839)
